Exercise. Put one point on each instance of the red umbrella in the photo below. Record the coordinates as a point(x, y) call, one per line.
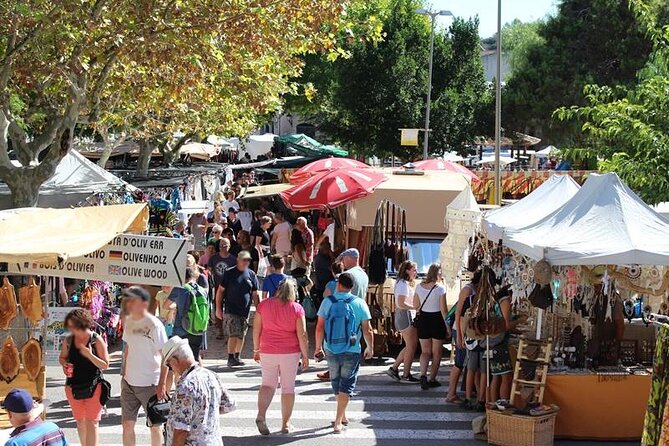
point(332, 188)
point(305, 172)
point(437, 164)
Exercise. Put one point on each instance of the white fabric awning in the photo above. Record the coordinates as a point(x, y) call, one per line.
point(605, 223)
point(548, 197)
point(52, 235)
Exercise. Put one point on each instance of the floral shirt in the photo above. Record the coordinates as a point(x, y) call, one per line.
point(198, 401)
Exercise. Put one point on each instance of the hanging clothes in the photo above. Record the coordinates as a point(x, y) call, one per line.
point(654, 423)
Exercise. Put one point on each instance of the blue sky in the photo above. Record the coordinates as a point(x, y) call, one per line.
point(525, 10)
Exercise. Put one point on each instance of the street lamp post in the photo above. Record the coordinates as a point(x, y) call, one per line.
point(432, 16)
point(498, 108)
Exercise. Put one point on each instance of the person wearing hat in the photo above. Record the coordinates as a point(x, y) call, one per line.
point(29, 429)
point(350, 259)
point(143, 374)
point(236, 292)
point(198, 400)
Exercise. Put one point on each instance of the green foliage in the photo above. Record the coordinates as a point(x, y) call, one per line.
point(518, 38)
point(362, 100)
point(586, 42)
point(628, 129)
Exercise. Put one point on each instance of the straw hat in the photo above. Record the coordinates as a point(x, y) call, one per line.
point(543, 273)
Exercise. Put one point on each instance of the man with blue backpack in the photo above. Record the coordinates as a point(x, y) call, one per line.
point(343, 319)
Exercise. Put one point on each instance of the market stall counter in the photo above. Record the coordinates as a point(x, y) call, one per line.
point(595, 407)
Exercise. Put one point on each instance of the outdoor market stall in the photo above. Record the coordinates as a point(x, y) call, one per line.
point(91, 243)
point(595, 255)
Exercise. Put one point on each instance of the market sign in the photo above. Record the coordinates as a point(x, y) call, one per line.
point(133, 259)
point(409, 137)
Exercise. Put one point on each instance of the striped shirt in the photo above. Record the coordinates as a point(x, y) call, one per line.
point(37, 433)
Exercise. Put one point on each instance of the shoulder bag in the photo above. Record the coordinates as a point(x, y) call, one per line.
point(418, 318)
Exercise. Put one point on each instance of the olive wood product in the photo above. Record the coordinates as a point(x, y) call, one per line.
point(8, 306)
point(31, 354)
point(9, 360)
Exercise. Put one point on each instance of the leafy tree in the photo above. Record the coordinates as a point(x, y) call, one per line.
point(517, 39)
point(363, 99)
point(147, 67)
point(586, 42)
point(627, 128)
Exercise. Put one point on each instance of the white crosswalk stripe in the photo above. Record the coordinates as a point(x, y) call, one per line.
point(380, 411)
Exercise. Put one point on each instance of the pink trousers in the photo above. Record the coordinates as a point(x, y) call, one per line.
point(279, 367)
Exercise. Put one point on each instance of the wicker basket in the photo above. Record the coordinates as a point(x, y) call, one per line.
point(519, 430)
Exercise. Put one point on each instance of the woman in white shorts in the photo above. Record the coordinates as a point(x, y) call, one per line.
point(405, 288)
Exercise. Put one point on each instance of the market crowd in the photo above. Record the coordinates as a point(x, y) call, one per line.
point(285, 266)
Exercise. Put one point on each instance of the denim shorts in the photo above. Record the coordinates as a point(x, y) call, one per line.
point(343, 371)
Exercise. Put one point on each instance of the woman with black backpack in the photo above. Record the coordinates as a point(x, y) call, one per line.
point(83, 357)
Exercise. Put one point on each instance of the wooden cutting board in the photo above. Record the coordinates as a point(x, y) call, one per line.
point(31, 354)
point(9, 360)
point(8, 306)
point(31, 302)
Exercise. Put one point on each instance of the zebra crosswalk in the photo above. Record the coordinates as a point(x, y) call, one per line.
point(381, 412)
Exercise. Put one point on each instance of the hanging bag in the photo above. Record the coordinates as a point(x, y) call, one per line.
point(402, 253)
point(377, 258)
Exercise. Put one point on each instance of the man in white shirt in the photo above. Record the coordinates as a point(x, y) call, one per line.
point(281, 236)
point(143, 374)
point(229, 202)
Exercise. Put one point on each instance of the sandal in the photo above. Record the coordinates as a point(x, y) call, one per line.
point(453, 400)
point(343, 423)
point(262, 427)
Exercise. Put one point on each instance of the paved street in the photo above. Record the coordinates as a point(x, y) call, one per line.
point(382, 413)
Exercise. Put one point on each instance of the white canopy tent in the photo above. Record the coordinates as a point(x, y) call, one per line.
point(548, 197)
point(257, 145)
point(604, 223)
point(75, 179)
point(546, 152)
point(503, 160)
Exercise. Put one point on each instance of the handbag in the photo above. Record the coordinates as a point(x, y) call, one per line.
point(310, 312)
point(417, 319)
point(377, 258)
point(105, 391)
point(483, 320)
point(402, 253)
point(541, 296)
point(263, 267)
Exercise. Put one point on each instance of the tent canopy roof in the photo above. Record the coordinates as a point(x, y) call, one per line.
point(604, 223)
point(548, 197)
point(50, 235)
point(309, 146)
point(435, 190)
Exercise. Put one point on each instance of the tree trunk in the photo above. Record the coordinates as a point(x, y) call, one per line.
point(108, 147)
point(24, 187)
point(145, 149)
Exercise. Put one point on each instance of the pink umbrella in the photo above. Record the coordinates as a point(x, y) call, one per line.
point(438, 164)
point(305, 172)
point(332, 188)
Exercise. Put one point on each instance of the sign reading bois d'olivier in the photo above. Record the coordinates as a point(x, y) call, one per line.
point(134, 259)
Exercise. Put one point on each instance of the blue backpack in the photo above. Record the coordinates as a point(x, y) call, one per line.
point(341, 325)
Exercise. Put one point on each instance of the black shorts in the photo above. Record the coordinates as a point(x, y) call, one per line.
point(431, 326)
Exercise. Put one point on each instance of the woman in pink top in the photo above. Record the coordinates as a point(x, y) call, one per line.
point(279, 337)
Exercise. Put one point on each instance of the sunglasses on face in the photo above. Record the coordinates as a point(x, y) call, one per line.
point(246, 260)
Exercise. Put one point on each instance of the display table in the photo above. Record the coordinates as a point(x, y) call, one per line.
point(599, 408)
